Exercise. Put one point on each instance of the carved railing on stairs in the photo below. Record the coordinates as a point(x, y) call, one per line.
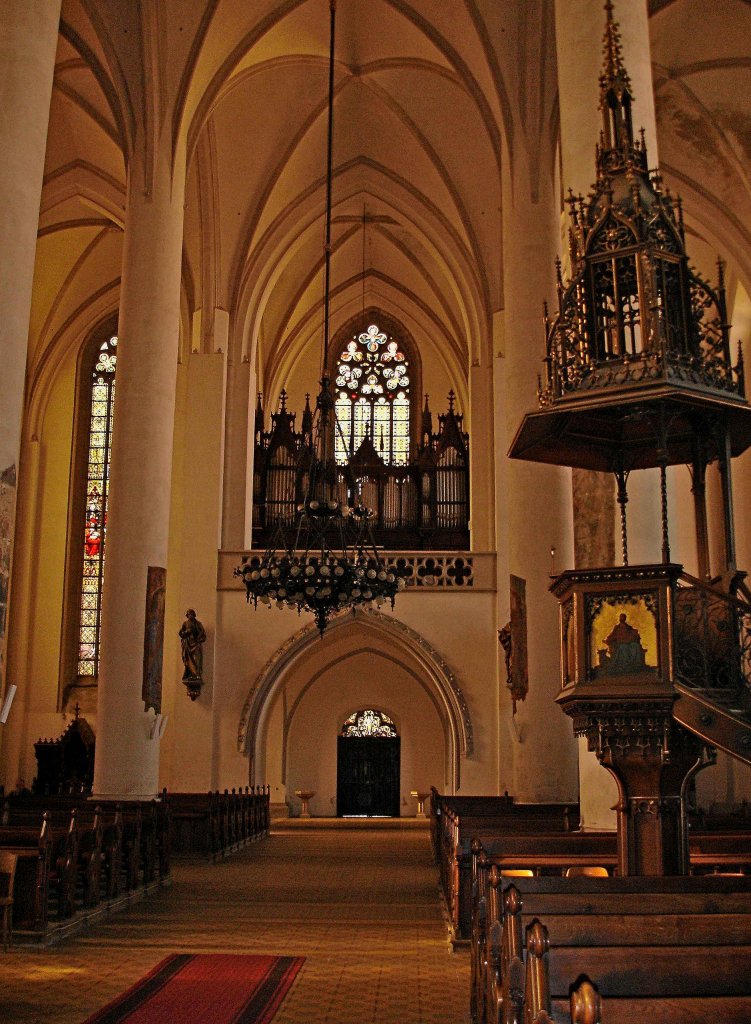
point(712, 638)
point(712, 664)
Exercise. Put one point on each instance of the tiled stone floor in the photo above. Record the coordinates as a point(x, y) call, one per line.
point(362, 905)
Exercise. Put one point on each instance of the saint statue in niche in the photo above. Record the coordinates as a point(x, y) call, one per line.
point(625, 654)
point(192, 638)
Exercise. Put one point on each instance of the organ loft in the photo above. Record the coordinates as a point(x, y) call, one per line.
point(404, 345)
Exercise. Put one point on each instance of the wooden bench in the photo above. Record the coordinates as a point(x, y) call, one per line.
point(542, 853)
point(194, 824)
point(215, 824)
point(675, 949)
point(110, 854)
point(514, 848)
point(720, 850)
point(8, 861)
point(455, 820)
point(94, 853)
point(80, 861)
point(32, 848)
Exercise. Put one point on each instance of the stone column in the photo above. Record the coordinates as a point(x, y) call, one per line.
point(28, 41)
point(534, 500)
point(127, 759)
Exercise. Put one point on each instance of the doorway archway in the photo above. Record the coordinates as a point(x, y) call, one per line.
point(275, 708)
point(368, 766)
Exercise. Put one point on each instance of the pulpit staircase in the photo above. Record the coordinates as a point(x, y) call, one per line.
point(712, 664)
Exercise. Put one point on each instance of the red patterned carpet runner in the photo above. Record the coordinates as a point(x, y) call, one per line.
point(211, 988)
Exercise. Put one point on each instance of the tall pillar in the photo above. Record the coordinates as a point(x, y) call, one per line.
point(580, 26)
point(28, 40)
point(535, 500)
point(127, 758)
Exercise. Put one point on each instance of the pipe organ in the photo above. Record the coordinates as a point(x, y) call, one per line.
point(423, 504)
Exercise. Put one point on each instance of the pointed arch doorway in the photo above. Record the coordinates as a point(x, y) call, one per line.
point(296, 706)
point(368, 764)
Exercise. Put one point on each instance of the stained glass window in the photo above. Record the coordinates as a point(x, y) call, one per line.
point(372, 397)
point(95, 515)
point(369, 723)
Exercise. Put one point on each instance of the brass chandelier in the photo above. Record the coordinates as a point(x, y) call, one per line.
point(330, 562)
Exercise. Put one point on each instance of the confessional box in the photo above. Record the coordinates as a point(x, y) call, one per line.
point(616, 631)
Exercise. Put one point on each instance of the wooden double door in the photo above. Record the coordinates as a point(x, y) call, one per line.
point(368, 776)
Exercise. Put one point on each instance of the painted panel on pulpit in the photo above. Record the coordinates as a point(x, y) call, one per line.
point(622, 634)
point(153, 640)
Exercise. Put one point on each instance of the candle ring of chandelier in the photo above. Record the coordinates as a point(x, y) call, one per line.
point(322, 584)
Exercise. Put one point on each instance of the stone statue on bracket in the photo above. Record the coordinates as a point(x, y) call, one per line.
point(192, 638)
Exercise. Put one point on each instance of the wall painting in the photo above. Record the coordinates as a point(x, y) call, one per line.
point(153, 641)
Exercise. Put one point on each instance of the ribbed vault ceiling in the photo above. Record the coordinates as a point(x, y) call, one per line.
point(431, 97)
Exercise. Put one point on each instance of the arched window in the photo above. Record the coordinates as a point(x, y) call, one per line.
point(87, 519)
point(372, 397)
point(93, 524)
point(369, 722)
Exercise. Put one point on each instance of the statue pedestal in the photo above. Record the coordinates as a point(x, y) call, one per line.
point(194, 687)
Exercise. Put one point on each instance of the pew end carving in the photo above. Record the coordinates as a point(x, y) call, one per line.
point(585, 1002)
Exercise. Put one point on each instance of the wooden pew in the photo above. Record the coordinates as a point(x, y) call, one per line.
point(505, 989)
point(215, 824)
point(98, 851)
point(671, 949)
point(454, 821)
point(193, 826)
point(33, 849)
point(553, 853)
point(8, 862)
point(720, 850)
point(514, 848)
point(87, 857)
point(64, 866)
point(99, 844)
point(144, 855)
point(112, 851)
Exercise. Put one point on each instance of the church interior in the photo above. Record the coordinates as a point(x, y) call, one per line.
point(445, 304)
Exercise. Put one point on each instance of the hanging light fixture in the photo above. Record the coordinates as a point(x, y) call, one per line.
point(331, 562)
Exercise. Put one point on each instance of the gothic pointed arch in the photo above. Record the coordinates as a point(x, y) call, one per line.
point(401, 643)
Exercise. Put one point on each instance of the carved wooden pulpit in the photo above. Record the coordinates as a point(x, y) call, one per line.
point(639, 374)
point(617, 674)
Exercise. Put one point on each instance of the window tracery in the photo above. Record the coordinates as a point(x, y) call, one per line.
point(95, 513)
point(372, 382)
point(367, 723)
